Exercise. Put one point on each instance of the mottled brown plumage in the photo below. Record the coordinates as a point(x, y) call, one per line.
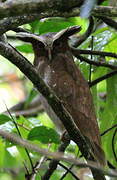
point(56, 66)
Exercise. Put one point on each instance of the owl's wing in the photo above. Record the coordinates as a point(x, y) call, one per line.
point(83, 109)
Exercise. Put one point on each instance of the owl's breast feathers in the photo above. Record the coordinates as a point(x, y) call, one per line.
point(68, 83)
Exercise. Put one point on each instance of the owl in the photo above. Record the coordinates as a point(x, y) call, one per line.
point(55, 64)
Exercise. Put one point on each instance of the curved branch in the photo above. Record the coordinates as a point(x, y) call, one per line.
point(106, 76)
point(33, 109)
point(65, 173)
point(53, 163)
point(109, 129)
point(113, 144)
point(110, 22)
point(24, 143)
point(105, 11)
point(23, 7)
point(18, 13)
point(100, 53)
point(68, 170)
point(13, 22)
point(26, 7)
point(76, 54)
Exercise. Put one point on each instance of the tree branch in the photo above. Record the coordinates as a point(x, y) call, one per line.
point(53, 163)
point(34, 107)
point(110, 22)
point(76, 54)
point(26, 7)
point(28, 15)
point(68, 170)
point(24, 143)
point(105, 11)
point(23, 7)
point(80, 51)
point(106, 76)
point(13, 22)
point(108, 130)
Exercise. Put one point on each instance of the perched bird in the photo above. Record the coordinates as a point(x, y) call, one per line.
point(55, 64)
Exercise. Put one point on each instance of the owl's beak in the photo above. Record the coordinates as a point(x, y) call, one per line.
point(49, 53)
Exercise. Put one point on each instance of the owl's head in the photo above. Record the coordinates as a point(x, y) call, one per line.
point(49, 42)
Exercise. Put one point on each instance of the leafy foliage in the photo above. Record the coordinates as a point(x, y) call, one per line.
point(4, 118)
point(44, 134)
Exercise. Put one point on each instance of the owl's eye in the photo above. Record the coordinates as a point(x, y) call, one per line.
point(37, 45)
point(40, 45)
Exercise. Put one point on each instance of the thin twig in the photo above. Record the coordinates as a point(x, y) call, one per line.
point(98, 80)
point(113, 144)
point(109, 129)
point(92, 38)
point(56, 155)
point(29, 112)
point(12, 22)
point(65, 174)
point(110, 165)
point(53, 163)
point(75, 53)
point(68, 170)
point(110, 22)
point(13, 120)
point(100, 53)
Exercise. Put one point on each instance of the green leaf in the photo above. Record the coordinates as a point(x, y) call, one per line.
point(4, 118)
point(26, 48)
point(55, 24)
point(9, 160)
point(35, 26)
point(2, 152)
point(100, 30)
point(44, 134)
point(45, 120)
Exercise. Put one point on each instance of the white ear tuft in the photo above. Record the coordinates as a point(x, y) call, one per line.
point(67, 32)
